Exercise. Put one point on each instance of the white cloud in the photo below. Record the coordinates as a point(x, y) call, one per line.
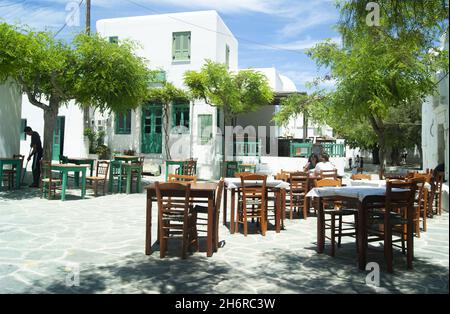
point(302, 44)
point(44, 16)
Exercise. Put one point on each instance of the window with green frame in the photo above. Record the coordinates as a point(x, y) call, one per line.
point(23, 124)
point(123, 122)
point(180, 115)
point(114, 39)
point(204, 128)
point(181, 46)
point(227, 56)
point(157, 79)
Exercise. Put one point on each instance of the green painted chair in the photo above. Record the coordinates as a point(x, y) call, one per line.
point(115, 171)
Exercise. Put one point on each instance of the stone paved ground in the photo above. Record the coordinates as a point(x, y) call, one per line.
point(42, 242)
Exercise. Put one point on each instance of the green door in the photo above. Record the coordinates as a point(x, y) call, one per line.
point(58, 138)
point(151, 129)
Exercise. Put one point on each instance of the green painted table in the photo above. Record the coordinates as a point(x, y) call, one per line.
point(127, 158)
point(81, 161)
point(129, 168)
point(173, 163)
point(64, 169)
point(15, 162)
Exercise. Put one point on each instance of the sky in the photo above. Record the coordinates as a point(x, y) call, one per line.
point(271, 33)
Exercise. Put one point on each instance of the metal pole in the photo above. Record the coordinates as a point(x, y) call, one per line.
point(86, 112)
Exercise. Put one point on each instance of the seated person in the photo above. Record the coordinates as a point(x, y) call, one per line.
point(311, 164)
point(324, 164)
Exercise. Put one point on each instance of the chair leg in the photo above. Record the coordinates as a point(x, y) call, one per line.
point(291, 207)
point(340, 231)
point(245, 223)
point(333, 240)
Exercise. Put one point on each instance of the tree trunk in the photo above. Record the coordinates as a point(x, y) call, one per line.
point(166, 130)
point(395, 156)
point(50, 115)
point(378, 128)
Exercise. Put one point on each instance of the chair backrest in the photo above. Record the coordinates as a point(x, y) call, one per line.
point(189, 168)
point(299, 181)
point(328, 182)
point(325, 174)
point(361, 176)
point(402, 198)
point(219, 194)
point(102, 168)
point(182, 178)
point(419, 181)
point(173, 198)
point(426, 176)
point(249, 190)
point(46, 169)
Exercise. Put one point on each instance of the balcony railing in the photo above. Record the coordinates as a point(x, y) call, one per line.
point(247, 148)
point(305, 149)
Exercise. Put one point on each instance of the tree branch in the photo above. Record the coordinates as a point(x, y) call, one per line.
point(55, 84)
point(32, 96)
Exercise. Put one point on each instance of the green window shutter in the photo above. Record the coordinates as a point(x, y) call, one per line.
point(123, 122)
point(114, 40)
point(181, 47)
point(204, 128)
point(180, 115)
point(23, 124)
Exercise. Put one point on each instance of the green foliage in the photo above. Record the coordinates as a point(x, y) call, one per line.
point(103, 151)
point(234, 93)
point(91, 71)
point(96, 142)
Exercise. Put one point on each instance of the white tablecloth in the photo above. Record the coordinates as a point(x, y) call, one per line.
point(349, 191)
point(373, 183)
point(234, 183)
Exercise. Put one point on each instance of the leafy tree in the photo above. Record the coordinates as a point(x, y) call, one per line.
point(381, 68)
point(91, 71)
point(234, 93)
point(166, 96)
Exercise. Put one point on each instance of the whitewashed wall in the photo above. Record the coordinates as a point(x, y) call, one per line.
point(10, 110)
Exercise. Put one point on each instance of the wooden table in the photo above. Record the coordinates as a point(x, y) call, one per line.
point(65, 169)
point(363, 197)
point(17, 162)
point(81, 161)
point(198, 190)
point(276, 186)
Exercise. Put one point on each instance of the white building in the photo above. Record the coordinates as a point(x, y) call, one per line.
point(435, 128)
point(11, 129)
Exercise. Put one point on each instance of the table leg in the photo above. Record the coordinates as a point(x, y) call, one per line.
point(111, 179)
point(167, 171)
point(232, 224)
point(320, 226)
point(148, 226)
point(362, 235)
point(209, 239)
point(225, 194)
point(128, 180)
point(91, 163)
point(77, 179)
point(64, 185)
point(83, 183)
point(278, 205)
point(138, 188)
point(18, 174)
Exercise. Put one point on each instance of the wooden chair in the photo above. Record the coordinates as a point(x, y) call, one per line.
point(253, 202)
point(101, 177)
point(299, 184)
point(189, 168)
point(48, 182)
point(202, 221)
point(10, 174)
point(420, 204)
point(435, 199)
point(388, 220)
point(335, 209)
point(328, 174)
point(361, 176)
point(175, 216)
